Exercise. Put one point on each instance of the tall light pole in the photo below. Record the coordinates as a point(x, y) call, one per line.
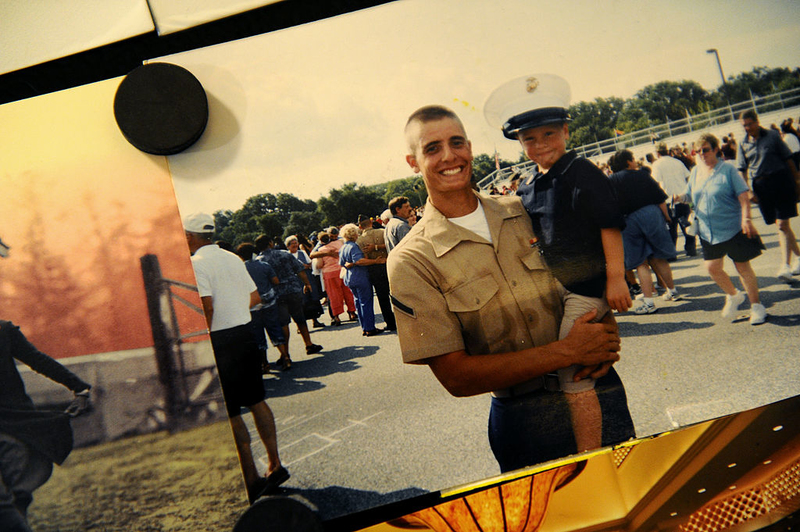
point(716, 54)
point(723, 88)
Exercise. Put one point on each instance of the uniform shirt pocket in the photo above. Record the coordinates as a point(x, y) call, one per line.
point(533, 261)
point(472, 295)
point(486, 315)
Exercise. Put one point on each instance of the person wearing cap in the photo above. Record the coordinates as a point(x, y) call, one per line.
point(227, 292)
point(397, 227)
point(373, 245)
point(576, 219)
point(477, 304)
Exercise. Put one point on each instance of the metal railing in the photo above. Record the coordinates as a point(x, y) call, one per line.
point(661, 132)
point(182, 400)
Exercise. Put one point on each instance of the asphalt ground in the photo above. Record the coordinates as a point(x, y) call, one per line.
point(358, 429)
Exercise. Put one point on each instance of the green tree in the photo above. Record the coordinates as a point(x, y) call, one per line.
point(222, 225)
point(270, 224)
point(633, 117)
point(267, 213)
point(761, 81)
point(412, 187)
point(670, 100)
point(594, 121)
point(484, 164)
point(286, 204)
point(303, 223)
point(344, 204)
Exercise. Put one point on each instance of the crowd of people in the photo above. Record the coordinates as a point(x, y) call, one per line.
point(252, 293)
point(674, 170)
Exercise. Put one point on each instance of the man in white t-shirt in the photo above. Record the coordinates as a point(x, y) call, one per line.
point(227, 292)
point(672, 174)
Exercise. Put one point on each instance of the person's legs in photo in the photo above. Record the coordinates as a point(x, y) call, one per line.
point(584, 406)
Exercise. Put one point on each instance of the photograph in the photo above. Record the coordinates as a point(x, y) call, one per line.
point(104, 374)
point(402, 154)
point(307, 132)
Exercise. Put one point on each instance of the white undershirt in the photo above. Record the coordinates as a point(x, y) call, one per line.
point(475, 222)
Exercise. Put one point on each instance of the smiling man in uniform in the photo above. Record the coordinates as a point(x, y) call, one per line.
point(477, 304)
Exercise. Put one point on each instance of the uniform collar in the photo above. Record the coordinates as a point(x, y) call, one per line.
point(444, 235)
point(563, 164)
point(762, 132)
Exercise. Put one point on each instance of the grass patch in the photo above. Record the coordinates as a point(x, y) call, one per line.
point(189, 481)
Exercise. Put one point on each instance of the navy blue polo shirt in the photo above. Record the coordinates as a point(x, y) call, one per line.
point(569, 205)
point(763, 156)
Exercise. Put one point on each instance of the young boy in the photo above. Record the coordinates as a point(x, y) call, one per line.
point(576, 218)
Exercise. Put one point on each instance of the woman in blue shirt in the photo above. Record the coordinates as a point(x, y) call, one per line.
point(722, 209)
point(357, 279)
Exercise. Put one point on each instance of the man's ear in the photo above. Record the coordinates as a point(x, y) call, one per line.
point(412, 162)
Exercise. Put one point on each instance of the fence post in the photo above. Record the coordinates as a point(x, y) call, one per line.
point(165, 338)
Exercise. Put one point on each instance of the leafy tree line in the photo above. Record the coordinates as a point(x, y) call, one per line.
point(284, 214)
point(281, 215)
point(671, 100)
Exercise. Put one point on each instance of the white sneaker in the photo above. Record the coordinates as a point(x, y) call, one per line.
point(785, 273)
point(645, 308)
point(796, 269)
point(671, 295)
point(758, 314)
point(732, 304)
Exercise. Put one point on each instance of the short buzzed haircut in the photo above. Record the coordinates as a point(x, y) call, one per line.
point(749, 114)
point(397, 202)
point(423, 115)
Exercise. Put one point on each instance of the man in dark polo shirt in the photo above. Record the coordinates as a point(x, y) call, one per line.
point(767, 159)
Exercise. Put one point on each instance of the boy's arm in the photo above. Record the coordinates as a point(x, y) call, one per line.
point(617, 294)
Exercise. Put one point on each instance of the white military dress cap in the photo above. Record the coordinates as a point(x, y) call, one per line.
point(526, 102)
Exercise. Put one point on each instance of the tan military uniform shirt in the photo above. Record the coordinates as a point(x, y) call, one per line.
point(374, 237)
point(452, 290)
